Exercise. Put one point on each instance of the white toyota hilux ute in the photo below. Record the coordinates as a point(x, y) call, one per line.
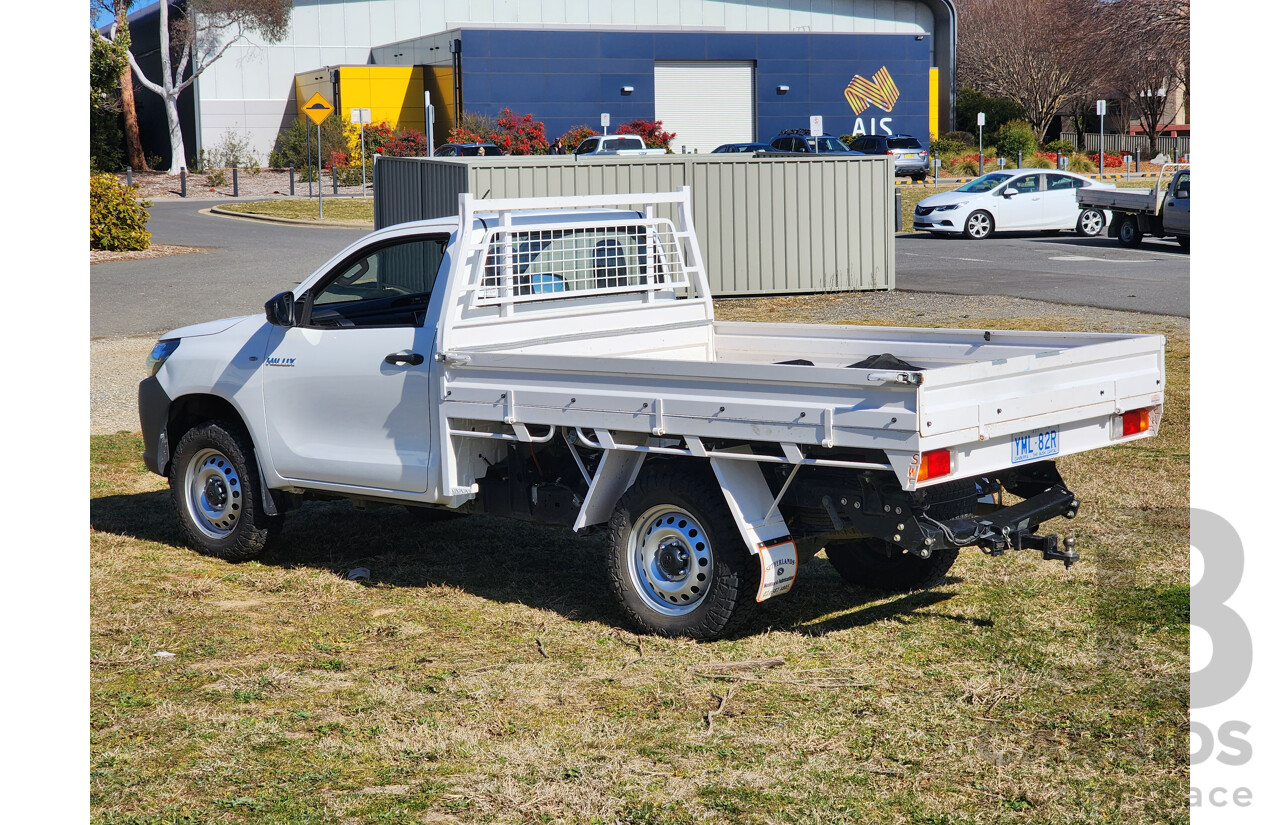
point(559, 361)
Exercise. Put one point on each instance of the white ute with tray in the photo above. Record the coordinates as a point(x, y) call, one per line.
point(559, 361)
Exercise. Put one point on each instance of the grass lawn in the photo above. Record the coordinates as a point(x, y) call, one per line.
point(484, 675)
point(335, 209)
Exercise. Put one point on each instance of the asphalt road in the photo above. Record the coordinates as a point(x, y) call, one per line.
point(249, 261)
point(1063, 268)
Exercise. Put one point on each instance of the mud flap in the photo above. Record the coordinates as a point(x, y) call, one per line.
point(761, 525)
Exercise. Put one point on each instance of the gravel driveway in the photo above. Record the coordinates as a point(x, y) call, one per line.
point(118, 364)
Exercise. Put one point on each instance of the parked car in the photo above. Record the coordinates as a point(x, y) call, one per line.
point(1025, 199)
point(911, 159)
point(740, 147)
point(615, 145)
point(454, 150)
point(800, 142)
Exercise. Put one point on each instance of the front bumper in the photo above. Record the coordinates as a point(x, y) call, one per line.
point(949, 221)
point(153, 412)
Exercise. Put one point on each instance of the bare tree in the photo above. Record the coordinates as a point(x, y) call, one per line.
point(1150, 46)
point(1038, 53)
point(199, 34)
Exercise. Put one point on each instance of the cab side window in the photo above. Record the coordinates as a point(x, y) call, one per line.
point(386, 286)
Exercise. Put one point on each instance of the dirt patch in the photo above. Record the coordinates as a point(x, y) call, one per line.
point(156, 250)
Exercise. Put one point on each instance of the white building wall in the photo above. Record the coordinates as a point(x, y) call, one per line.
point(249, 91)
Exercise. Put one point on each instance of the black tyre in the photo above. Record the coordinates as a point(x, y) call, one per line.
point(1091, 223)
point(1128, 233)
point(979, 225)
point(677, 562)
point(213, 480)
point(879, 565)
point(1184, 241)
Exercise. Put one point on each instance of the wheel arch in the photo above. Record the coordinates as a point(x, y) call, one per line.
point(188, 411)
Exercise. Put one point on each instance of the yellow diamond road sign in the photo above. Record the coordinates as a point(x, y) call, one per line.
point(317, 108)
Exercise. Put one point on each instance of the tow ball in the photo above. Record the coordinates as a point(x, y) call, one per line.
point(1047, 546)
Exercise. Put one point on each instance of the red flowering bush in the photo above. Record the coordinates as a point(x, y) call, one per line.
point(651, 131)
point(337, 159)
point(407, 143)
point(576, 135)
point(512, 133)
point(1112, 159)
point(521, 134)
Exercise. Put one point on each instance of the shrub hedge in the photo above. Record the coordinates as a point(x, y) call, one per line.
point(117, 219)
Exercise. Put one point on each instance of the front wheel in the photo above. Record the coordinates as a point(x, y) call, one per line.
point(979, 225)
point(879, 565)
point(1184, 241)
point(677, 563)
point(1129, 234)
point(1091, 223)
point(213, 481)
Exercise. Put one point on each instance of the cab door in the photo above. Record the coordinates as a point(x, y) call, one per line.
point(1177, 206)
point(347, 391)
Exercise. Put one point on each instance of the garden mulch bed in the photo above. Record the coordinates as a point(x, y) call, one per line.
point(267, 183)
point(156, 250)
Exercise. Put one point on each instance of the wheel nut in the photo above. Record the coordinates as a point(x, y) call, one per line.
point(902, 527)
point(897, 537)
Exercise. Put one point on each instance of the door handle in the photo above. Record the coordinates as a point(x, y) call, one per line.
point(413, 359)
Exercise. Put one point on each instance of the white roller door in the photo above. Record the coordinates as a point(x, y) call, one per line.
point(705, 102)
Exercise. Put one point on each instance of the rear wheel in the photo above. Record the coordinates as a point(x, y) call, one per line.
point(213, 481)
point(1184, 241)
point(1091, 223)
point(677, 562)
point(1128, 233)
point(879, 565)
point(979, 225)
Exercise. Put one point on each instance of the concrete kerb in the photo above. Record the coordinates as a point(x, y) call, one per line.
point(249, 216)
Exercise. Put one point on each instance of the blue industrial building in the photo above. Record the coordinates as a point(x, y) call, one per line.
point(570, 77)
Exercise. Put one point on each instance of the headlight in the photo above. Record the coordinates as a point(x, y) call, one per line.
point(161, 351)
point(951, 206)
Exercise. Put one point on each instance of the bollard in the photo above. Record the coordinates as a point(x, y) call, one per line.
point(182, 173)
point(333, 172)
point(1019, 158)
point(128, 176)
point(235, 181)
point(291, 189)
point(897, 213)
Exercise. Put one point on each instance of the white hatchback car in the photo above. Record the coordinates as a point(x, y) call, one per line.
point(1021, 200)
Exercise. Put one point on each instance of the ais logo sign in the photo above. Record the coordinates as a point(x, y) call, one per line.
point(880, 91)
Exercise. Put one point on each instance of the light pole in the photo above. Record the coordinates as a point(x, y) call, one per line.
point(982, 159)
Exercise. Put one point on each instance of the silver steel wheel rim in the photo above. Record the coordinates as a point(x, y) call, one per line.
point(214, 494)
point(1091, 222)
point(979, 225)
point(671, 560)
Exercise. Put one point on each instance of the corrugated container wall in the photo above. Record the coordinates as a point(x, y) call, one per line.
point(767, 225)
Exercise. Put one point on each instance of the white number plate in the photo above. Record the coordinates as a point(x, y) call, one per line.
point(1035, 446)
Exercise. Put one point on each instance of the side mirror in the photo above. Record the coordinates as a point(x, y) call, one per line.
point(1009, 192)
point(280, 310)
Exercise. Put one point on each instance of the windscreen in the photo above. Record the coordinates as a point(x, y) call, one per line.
point(985, 183)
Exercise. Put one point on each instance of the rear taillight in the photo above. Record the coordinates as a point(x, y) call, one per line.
point(1133, 422)
point(934, 464)
point(889, 152)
